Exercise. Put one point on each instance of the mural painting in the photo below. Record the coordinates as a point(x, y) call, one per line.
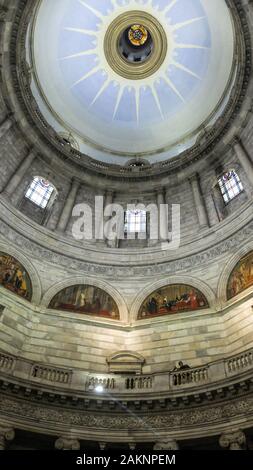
point(85, 299)
point(14, 277)
point(241, 277)
point(172, 299)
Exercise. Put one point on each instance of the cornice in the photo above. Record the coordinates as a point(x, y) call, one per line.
point(34, 240)
point(23, 408)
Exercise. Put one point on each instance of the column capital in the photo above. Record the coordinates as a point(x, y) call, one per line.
point(161, 190)
point(109, 192)
point(6, 434)
point(75, 183)
point(169, 444)
point(233, 440)
point(67, 443)
point(193, 177)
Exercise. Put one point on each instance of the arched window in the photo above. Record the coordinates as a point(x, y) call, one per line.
point(40, 192)
point(135, 221)
point(230, 185)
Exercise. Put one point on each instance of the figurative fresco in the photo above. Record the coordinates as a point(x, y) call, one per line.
point(172, 299)
point(85, 299)
point(14, 277)
point(241, 277)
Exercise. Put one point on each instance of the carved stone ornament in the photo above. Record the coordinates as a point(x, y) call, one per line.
point(233, 440)
point(65, 443)
point(124, 362)
point(166, 445)
point(6, 434)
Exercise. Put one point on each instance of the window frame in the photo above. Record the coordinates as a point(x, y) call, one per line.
point(38, 195)
point(136, 226)
point(231, 188)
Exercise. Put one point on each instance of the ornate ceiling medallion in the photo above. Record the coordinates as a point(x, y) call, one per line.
point(137, 35)
point(135, 45)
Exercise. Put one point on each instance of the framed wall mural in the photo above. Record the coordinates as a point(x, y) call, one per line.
point(89, 300)
point(172, 299)
point(14, 277)
point(241, 277)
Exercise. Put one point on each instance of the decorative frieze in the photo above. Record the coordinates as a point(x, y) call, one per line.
point(184, 419)
point(153, 269)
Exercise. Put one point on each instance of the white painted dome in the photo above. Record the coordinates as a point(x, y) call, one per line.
point(112, 116)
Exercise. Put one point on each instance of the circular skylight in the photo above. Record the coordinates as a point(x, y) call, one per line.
point(183, 51)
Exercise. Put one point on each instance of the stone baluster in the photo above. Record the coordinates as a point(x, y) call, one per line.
point(67, 443)
point(244, 160)
point(163, 215)
point(234, 440)
point(68, 206)
point(169, 444)
point(6, 434)
point(19, 174)
point(199, 201)
point(5, 125)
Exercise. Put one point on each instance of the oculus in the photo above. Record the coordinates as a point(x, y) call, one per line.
point(86, 299)
point(241, 277)
point(171, 299)
point(119, 99)
point(14, 277)
point(136, 44)
point(127, 48)
point(138, 35)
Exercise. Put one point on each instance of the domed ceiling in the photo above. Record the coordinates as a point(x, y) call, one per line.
point(131, 77)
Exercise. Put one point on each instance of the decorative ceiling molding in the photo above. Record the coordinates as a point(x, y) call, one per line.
point(48, 138)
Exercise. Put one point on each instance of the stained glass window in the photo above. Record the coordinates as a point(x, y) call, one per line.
point(230, 185)
point(40, 192)
point(135, 221)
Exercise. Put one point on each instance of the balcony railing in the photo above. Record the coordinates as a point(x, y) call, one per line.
point(189, 377)
point(6, 362)
point(116, 384)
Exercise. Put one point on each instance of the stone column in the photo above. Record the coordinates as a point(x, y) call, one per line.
point(244, 159)
point(169, 444)
point(199, 201)
point(234, 440)
point(163, 215)
point(67, 443)
point(99, 219)
point(68, 207)
point(6, 434)
point(19, 174)
point(212, 210)
point(109, 196)
point(5, 125)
